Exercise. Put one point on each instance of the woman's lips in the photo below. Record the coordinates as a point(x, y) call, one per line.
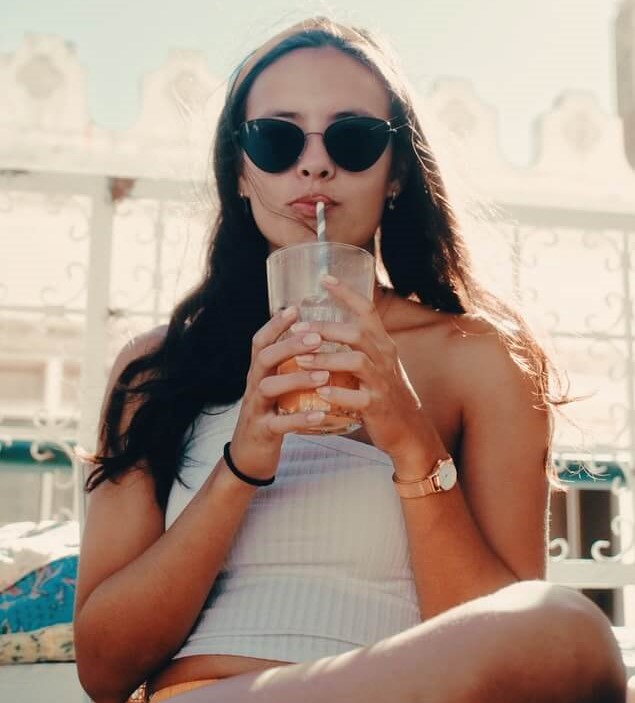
point(307, 209)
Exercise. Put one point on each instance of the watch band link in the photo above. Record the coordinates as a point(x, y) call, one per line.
point(420, 487)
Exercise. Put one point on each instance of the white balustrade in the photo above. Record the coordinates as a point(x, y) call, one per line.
point(103, 230)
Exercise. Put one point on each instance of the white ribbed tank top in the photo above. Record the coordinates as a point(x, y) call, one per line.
point(320, 564)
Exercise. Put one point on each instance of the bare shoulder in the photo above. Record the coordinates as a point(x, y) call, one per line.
point(470, 355)
point(139, 345)
point(134, 349)
point(494, 382)
point(476, 351)
point(465, 354)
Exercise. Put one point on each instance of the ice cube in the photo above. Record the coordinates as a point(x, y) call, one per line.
point(319, 308)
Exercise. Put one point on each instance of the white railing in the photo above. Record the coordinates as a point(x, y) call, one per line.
point(101, 232)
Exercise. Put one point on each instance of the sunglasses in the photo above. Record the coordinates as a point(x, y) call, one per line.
point(353, 143)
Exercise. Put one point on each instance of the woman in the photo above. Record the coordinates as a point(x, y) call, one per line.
point(334, 583)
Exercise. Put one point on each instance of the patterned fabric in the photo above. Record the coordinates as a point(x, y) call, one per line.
point(27, 546)
point(54, 643)
point(42, 598)
point(38, 573)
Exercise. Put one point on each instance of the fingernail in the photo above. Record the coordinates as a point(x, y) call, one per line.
point(304, 358)
point(311, 339)
point(314, 418)
point(330, 279)
point(320, 376)
point(324, 390)
point(289, 312)
point(300, 326)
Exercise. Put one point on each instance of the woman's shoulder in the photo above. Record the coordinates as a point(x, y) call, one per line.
point(426, 325)
point(132, 350)
point(143, 343)
point(458, 345)
point(138, 346)
point(463, 348)
point(488, 364)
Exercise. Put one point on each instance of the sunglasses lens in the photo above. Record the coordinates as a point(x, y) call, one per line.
point(356, 143)
point(272, 145)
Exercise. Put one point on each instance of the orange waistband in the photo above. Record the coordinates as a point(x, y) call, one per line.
point(164, 693)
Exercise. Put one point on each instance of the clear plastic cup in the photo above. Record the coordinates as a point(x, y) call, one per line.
point(294, 276)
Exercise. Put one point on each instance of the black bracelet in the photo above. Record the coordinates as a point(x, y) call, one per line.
point(247, 479)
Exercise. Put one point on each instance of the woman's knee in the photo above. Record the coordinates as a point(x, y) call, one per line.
point(574, 636)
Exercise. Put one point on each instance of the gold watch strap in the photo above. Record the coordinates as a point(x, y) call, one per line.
point(419, 487)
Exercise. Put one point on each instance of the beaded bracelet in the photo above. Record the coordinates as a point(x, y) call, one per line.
point(239, 474)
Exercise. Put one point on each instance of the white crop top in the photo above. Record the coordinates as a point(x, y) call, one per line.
point(320, 564)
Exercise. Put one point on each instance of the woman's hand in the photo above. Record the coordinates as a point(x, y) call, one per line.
point(389, 406)
point(259, 430)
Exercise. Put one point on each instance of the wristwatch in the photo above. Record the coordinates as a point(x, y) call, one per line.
point(442, 478)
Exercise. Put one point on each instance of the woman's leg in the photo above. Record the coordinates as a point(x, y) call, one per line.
point(526, 643)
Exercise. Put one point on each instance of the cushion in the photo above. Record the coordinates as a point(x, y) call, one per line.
point(38, 572)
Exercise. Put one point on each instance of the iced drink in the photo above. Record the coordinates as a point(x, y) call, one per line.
point(338, 420)
point(293, 275)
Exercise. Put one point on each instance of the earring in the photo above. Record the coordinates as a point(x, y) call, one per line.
point(245, 200)
point(391, 202)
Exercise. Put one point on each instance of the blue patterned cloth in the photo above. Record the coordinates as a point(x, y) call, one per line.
point(42, 598)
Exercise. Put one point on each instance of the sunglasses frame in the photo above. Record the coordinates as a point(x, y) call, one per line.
point(378, 121)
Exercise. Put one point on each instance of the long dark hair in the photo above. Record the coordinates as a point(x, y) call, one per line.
point(205, 355)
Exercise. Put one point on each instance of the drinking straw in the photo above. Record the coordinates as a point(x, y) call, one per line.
point(321, 237)
point(321, 221)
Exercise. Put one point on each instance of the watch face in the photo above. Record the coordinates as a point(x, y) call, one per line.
point(447, 475)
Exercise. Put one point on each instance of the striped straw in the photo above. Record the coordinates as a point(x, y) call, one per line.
point(321, 221)
point(321, 237)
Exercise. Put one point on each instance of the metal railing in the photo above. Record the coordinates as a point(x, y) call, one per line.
point(129, 249)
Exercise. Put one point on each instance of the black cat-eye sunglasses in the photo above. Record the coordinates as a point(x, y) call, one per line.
point(353, 143)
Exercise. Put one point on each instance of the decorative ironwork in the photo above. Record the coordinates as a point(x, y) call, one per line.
point(561, 544)
point(114, 251)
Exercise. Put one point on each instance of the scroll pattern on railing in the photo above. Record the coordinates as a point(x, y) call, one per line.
point(562, 249)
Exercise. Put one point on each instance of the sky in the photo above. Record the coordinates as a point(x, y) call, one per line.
point(519, 55)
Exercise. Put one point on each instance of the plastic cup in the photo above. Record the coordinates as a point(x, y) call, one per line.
point(294, 276)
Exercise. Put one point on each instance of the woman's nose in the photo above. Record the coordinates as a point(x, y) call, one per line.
point(315, 160)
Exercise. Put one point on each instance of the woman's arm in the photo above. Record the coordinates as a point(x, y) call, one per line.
point(139, 588)
point(490, 529)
